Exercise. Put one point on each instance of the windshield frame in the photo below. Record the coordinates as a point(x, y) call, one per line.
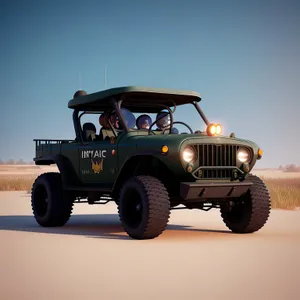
point(118, 107)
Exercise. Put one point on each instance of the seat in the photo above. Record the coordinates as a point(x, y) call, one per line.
point(89, 131)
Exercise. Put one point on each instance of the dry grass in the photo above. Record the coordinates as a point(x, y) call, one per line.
point(16, 183)
point(285, 192)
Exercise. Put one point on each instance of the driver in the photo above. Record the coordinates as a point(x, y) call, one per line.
point(163, 120)
point(143, 122)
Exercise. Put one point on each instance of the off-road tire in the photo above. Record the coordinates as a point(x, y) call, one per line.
point(155, 207)
point(57, 209)
point(251, 211)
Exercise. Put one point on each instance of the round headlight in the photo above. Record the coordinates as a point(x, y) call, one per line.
point(243, 155)
point(188, 154)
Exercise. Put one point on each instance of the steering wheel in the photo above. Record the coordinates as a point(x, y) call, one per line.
point(153, 123)
point(178, 122)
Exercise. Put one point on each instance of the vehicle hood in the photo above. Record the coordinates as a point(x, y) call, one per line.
point(176, 141)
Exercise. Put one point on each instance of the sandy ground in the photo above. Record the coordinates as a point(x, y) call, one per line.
point(195, 258)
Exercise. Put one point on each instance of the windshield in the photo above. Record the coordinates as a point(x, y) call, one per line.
point(187, 116)
point(183, 119)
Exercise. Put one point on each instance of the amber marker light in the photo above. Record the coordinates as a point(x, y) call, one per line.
point(259, 153)
point(211, 129)
point(214, 129)
point(164, 149)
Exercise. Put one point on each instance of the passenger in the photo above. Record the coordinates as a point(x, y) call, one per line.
point(143, 122)
point(103, 121)
point(128, 117)
point(114, 119)
point(105, 131)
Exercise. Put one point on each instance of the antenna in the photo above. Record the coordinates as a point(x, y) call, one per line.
point(79, 80)
point(105, 80)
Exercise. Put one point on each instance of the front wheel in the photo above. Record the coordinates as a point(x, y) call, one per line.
point(251, 211)
point(144, 207)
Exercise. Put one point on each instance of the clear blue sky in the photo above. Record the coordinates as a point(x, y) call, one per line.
point(243, 57)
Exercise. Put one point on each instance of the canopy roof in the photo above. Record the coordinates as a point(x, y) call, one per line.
point(137, 99)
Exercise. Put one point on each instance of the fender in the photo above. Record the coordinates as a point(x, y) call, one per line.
point(132, 161)
point(65, 167)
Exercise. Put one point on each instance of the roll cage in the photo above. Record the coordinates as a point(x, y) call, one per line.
point(114, 103)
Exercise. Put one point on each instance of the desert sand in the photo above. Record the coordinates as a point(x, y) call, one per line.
point(195, 258)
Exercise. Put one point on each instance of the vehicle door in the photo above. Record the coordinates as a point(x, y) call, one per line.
point(98, 161)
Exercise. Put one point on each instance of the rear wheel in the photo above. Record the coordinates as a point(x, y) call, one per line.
point(251, 211)
point(144, 207)
point(51, 205)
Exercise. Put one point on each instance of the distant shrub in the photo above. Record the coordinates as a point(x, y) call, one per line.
point(16, 162)
point(292, 168)
point(10, 162)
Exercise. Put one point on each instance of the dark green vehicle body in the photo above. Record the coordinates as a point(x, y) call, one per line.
point(96, 168)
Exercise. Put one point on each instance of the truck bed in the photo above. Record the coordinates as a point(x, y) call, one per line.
point(46, 147)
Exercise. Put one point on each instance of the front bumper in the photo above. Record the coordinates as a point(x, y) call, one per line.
point(213, 190)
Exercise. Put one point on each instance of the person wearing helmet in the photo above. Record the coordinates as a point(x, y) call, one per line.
point(162, 120)
point(128, 117)
point(143, 122)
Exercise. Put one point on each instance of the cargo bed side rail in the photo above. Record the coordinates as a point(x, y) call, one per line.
point(47, 147)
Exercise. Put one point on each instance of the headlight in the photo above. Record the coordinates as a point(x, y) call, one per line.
point(243, 155)
point(188, 154)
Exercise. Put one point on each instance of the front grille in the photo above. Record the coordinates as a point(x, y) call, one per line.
point(216, 156)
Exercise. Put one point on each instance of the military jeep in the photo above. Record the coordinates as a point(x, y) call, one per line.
point(148, 171)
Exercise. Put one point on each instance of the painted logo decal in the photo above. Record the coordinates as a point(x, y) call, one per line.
point(97, 166)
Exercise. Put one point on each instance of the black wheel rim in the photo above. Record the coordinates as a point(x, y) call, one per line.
point(132, 210)
point(40, 201)
point(241, 210)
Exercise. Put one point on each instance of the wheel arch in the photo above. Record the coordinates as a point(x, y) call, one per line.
point(65, 167)
point(144, 164)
